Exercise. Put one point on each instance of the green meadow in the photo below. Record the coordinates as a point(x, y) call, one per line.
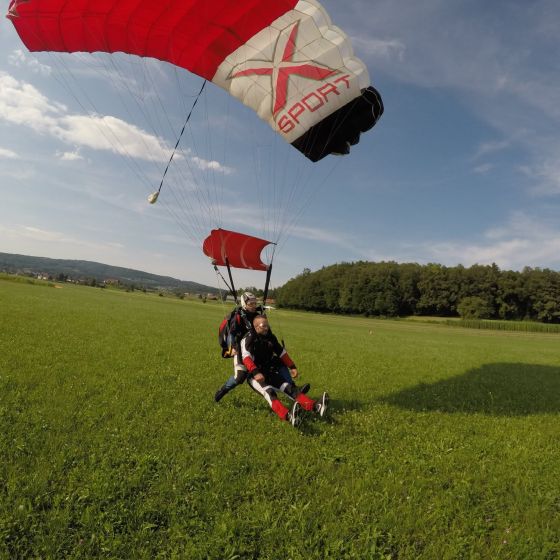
point(441, 442)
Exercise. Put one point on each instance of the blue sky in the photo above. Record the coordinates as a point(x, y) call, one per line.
point(463, 167)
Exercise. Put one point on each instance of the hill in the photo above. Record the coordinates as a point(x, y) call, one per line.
point(87, 270)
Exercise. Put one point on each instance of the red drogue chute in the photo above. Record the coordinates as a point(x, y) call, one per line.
point(236, 249)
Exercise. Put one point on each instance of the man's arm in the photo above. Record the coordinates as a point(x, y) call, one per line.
point(247, 357)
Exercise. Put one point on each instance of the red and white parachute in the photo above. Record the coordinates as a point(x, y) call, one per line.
point(284, 59)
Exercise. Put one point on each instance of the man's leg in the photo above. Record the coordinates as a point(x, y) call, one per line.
point(284, 373)
point(239, 375)
point(267, 391)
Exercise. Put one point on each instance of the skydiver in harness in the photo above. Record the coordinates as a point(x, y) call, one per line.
point(240, 323)
point(270, 369)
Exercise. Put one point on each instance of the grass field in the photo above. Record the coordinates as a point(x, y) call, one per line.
point(441, 442)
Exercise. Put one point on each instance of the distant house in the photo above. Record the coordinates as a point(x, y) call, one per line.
point(211, 296)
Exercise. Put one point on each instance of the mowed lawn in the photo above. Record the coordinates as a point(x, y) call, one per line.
point(441, 442)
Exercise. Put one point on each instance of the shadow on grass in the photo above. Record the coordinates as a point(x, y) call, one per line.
point(499, 389)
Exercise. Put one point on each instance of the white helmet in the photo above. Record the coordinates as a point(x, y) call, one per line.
point(247, 298)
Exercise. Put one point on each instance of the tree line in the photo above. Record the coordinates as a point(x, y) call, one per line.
point(391, 289)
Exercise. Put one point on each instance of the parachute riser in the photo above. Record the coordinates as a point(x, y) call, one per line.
point(267, 283)
point(234, 293)
point(231, 287)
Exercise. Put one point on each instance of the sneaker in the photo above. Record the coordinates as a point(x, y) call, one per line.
point(304, 388)
point(321, 405)
point(220, 393)
point(295, 416)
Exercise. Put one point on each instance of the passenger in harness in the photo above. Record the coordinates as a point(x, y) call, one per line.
point(232, 330)
point(270, 369)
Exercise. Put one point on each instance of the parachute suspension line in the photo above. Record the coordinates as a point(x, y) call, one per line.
point(69, 82)
point(222, 298)
point(230, 288)
point(306, 203)
point(154, 196)
point(109, 135)
point(211, 169)
point(268, 273)
point(191, 202)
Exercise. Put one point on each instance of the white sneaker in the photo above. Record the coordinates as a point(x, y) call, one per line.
point(295, 416)
point(322, 404)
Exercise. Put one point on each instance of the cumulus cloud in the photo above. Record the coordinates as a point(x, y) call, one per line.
point(24, 105)
point(110, 134)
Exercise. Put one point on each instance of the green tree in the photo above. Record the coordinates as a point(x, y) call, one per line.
point(474, 307)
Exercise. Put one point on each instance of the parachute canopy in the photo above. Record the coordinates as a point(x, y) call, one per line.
point(240, 250)
point(282, 58)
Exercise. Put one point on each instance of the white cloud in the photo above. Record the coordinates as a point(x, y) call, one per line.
point(8, 154)
point(127, 75)
point(69, 156)
point(20, 59)
point(53, 241)
point(545, 176)
point(484, 168)
point(213, 165)
point(523, 241)
point(491, 147)
point(322, 235)
point(111, 134)
point(22, 104)
point(177, 240)
point(379, 48)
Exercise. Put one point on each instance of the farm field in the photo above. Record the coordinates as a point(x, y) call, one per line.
point(441, 442)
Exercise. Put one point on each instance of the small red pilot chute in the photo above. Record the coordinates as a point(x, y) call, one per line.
point(226, 247)
point(230, 248)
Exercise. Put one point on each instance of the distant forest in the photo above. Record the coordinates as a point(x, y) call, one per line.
point(396, 290)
